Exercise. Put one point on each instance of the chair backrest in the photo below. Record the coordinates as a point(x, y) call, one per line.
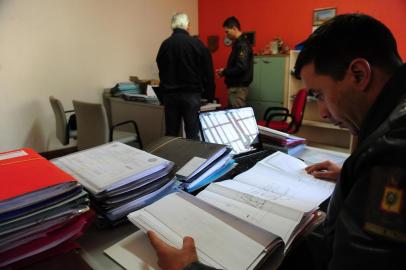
point(92, 124)
point(61, 124)
point(297, 110)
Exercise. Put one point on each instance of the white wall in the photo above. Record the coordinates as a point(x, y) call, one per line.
point(73, 49)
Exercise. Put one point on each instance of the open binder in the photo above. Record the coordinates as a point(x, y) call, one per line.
point(240, 245)
point(259, 213)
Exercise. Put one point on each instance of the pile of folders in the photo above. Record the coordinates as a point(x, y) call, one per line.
point(119, 179)
point(280, 141)
point(197, 163)
point(42, 209)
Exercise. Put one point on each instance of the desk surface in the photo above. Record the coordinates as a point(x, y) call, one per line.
point(95, 241)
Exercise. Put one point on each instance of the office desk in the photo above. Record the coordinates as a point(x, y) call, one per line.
point(150, 116)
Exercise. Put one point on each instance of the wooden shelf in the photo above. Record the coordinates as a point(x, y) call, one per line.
point(329, 147)
point(321, 125)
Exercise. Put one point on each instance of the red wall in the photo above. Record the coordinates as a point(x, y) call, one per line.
point(289, 19)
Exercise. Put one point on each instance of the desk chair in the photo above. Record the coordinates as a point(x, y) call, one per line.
point(93, 127)
point(282, 119)
point(63, 132)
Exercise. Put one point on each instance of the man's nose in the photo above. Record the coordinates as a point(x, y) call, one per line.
point(323, 111)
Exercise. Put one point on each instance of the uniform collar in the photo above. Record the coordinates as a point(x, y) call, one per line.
point(385, 103)
point(239, 39)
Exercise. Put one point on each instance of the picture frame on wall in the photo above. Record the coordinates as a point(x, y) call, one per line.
point(322, 15)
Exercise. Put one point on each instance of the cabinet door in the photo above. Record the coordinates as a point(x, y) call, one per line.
point(256, 85)
point(272, 79)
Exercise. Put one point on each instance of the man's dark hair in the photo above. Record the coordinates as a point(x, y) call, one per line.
point(340, 40)
point(231, 22)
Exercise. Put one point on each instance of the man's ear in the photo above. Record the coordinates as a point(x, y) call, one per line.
point(361, 73)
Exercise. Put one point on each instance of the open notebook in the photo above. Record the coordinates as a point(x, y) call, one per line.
point(259, 213)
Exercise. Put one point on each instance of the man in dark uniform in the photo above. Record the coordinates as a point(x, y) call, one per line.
point(352, 66)
point(185, 71)
point(240, 65)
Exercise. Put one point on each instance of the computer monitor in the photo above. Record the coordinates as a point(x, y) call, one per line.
point(236, 128)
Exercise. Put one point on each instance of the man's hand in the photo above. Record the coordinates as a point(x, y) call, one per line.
point(324, 170)
point(170, 258)
point(219, 72)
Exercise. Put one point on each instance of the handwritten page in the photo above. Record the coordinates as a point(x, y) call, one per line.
point(250, 212)
point(280, 172)
point(276, 195)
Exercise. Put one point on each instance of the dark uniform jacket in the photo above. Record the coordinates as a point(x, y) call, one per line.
point(365, 226)
point(185, 64)
point(366, 221)
point(240, 65)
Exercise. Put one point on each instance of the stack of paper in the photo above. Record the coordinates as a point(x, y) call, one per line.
point(41, 207)
point(281, 141)
point(198, 163)
point(119, 178)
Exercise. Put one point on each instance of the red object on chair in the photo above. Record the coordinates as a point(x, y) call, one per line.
point(282, 119)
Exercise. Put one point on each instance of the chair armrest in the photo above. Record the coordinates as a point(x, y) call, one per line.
point(125, 123)
point(276, 109)
point(284, 115)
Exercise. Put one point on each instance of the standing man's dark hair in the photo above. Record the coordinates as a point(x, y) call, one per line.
point(232, 22)
point(185, 72)
point(240, 65)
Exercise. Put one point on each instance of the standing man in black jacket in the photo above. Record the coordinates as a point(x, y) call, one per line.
point(240, 65)
point(185, 71)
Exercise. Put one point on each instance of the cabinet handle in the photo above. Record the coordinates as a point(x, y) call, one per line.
point(267, 62)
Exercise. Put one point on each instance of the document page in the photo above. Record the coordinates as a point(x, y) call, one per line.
point(263, 199)
point(108, 166)
point(311, 155)
point(134, 252)
point(278, 225)
point(284, 175)
point(218, 243)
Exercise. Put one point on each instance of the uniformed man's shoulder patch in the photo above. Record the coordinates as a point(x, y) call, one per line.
point(392, 199)
point(386, 211)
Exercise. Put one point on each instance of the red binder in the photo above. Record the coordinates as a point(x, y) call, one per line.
point(24, 170)
point(71, 231)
